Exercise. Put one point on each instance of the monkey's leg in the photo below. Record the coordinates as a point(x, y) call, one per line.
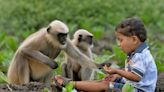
point(47, 79)
point(86, 73)
point(64, 70)
point(23, 70)
point(70, 73)
point(80, 75)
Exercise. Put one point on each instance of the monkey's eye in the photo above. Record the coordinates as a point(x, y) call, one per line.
point(62, 38)
point(90, 36)
point(80, 38)
point(89, 39)
point(48, 29)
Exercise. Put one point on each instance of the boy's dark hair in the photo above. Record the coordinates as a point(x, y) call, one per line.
point(132, 27)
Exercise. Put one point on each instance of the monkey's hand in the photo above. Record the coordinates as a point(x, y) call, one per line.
point(53, 65)
point(62, 81)
point(109, 70)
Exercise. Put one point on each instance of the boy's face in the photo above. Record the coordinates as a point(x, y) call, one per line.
point(127, 43)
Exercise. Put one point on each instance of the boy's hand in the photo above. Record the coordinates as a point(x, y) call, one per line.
point(109, 70)
point(115, 76)
point(111, 78)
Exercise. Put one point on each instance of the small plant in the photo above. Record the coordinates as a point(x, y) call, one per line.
point(160, 66)
point(46, 90)
point(12, 43)
point(103, 58)
point(99, 75)
point(3, 78)
point(119, 56)
point(69, 88)
point(128, 88)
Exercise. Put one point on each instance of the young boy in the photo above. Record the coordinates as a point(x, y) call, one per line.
point(140, 69)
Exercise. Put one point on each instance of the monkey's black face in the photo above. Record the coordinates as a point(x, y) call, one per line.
point(88, 39)
point(62, 38)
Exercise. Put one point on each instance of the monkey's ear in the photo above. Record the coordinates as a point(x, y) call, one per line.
point(48, 29)
point(80, 38)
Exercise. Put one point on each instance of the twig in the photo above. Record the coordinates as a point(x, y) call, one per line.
point(9, 87)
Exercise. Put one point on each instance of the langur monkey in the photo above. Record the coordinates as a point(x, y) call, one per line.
point(34, 59)
point(79, 64)
point(83, 40)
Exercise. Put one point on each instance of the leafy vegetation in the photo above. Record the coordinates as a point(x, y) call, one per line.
point(20, 18)
point(128, 88)
point(69, 88)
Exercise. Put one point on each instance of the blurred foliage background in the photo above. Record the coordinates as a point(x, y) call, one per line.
point(20, 18)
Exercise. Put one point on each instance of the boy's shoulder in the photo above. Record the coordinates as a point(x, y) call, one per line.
point(142, 60)
point(141, 51)
point(144, 52)
point(145, 55)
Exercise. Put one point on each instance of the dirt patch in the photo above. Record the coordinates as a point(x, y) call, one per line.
point(39, 87)
point(160, 83)
point(30, 87)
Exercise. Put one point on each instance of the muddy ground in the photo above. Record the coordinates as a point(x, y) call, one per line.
point(30, 87)
point(39, 87)
point(160, 83)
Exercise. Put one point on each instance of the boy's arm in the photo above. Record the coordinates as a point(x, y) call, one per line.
point(128, 75)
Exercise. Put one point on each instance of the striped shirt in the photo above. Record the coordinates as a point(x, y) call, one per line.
point(142, 64)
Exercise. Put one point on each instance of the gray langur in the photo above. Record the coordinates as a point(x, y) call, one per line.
point(79, 64)
point(34, 59)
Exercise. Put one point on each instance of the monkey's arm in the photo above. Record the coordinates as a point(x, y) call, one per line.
point(39, 57)
point(73, 52)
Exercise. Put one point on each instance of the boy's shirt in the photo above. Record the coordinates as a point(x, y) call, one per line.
point(142, 63)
